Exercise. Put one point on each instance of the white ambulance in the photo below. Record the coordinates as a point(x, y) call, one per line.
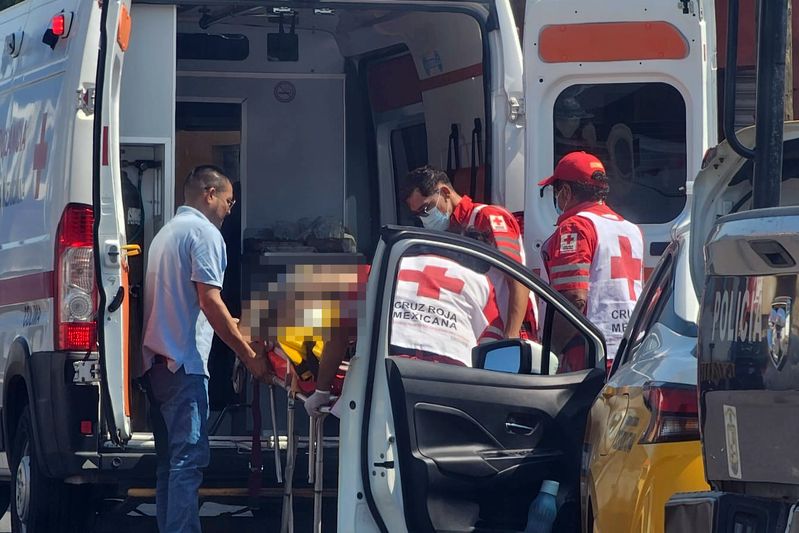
point(316, 110)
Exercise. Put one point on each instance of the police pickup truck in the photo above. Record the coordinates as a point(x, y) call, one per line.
point(748, 378)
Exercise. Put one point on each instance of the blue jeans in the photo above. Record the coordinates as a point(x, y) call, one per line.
point(179, 416)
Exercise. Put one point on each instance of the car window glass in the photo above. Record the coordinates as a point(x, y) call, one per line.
point(445, 302)
point(651, 295)
point(653, 307)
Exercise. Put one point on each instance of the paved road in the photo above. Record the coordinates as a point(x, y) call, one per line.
point(217, 518)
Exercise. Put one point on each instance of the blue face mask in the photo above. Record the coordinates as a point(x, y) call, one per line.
point(436, 220)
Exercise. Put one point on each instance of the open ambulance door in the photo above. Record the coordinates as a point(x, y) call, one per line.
point(634, 82)
point(433, 446)
point(110, 253)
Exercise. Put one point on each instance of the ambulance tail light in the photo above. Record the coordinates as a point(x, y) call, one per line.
point(675, 412)
point(75, 289)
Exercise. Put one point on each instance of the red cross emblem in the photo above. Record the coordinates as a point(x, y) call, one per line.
point(498, 223)
point(626, 266)
point(431, 280)
point(568, 242)
point(40, 155)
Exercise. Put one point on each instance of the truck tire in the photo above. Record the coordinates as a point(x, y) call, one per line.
point(40, 504)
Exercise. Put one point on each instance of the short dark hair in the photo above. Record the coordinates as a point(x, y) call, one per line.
point(426, 179)
point(203, 177)
point(589, 193)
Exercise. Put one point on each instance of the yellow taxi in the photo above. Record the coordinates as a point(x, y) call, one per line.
point(642, 437)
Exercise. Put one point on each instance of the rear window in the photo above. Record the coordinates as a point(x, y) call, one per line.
point(638, 131)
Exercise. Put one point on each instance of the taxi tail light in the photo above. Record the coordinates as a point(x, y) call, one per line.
point(675, 413)
point(75, 288)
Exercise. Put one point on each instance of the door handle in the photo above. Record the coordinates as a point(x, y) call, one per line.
point(132, 249)
point(116, 302)
point(518, 429)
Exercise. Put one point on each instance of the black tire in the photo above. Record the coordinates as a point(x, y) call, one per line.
point(40, 504)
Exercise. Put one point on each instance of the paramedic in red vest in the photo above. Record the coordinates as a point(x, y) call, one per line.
point(429, 195)
point(595, 257)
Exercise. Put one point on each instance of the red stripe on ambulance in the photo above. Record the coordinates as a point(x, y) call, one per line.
point(25, 289)
point(105, 146)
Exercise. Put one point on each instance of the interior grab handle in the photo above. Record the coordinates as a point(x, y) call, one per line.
point(518, 429)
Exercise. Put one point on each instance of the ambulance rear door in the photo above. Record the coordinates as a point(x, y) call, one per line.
point(110, 254)
point(440, 440)
point(634, 82)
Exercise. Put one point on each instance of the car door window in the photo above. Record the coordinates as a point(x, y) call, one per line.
point(653, 302)
point(447, 301)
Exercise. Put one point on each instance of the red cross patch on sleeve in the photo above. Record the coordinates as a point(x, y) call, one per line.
point(568, 242)
point(498, 223)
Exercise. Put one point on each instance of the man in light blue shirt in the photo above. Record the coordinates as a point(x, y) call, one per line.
point(183, 308)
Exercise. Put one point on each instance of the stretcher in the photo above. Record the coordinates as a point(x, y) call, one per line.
point(285, 377)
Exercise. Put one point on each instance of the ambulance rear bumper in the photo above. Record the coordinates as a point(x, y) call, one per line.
point(65, 413)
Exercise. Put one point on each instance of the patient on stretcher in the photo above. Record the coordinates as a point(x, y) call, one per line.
point(307, 311)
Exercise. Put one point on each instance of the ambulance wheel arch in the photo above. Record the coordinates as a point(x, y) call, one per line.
point(386, 481)
point(17, 392)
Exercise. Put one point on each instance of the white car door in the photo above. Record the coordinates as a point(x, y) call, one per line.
point(431, 446)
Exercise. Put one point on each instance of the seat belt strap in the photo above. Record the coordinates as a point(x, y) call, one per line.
point(477, 155)
point(453, 151)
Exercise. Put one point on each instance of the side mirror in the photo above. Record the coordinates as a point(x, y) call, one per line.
point(512, 356)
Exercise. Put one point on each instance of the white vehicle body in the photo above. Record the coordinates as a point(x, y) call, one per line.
point(329, 133)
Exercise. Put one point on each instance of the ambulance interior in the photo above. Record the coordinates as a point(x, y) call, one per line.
point(315, 114)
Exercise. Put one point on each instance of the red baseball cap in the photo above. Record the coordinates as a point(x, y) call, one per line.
point(575, 166)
